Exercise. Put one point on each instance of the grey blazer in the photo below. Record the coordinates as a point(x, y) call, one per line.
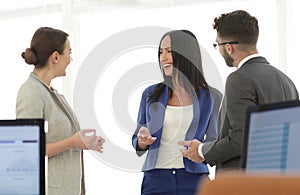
point(256, 82)
point(36, 100)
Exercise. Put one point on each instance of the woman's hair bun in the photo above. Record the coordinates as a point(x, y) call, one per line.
point(29, 56)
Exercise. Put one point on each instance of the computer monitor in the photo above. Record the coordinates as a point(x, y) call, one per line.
point(271, 138)
point(22, 157)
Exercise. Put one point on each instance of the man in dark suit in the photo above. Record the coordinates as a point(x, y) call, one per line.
point(254, 82)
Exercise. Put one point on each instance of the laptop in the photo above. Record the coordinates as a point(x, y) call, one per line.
point(272, 138)
point(22, 157)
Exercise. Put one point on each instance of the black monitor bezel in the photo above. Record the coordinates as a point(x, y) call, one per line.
point(42, 146)
point(256, 109)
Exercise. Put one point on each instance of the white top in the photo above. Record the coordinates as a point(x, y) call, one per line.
point(176, 123)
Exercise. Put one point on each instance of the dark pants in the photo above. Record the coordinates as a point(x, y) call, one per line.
point(171, 182)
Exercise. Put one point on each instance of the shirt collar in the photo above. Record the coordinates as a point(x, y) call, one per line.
point(33, 75)
point(242, 62)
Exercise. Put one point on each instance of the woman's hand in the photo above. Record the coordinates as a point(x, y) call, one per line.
point(84, 139)
point(145, 138)
point(87, 139)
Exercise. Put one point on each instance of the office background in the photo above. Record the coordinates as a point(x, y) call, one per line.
point(92, 22)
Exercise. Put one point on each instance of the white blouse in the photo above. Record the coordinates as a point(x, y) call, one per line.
point(176, 123)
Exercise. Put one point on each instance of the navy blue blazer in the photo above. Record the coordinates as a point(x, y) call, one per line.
point(204, 122)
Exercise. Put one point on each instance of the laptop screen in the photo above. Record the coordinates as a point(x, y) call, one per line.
point(271, 139)
point(22, 161)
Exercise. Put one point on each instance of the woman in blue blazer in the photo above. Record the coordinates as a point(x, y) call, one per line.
point(182, 107)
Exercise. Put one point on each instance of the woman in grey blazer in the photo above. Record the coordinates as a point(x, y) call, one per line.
point(50, 54)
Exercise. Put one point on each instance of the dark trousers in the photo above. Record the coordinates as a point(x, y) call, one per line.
point(171, 182)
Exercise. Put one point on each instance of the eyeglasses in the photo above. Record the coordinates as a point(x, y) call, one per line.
point(216, 45)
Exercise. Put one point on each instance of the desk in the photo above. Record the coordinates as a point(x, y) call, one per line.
point(251, 184)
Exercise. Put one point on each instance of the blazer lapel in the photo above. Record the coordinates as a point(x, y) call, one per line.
point(157, 115)
point(196, 115)
point(202, 110)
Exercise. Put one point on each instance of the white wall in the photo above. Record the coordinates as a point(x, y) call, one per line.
point(91, 28)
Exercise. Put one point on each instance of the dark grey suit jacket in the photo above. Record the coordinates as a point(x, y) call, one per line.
point(256, 82)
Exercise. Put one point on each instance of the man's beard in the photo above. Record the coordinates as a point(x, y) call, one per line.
point(229, 60)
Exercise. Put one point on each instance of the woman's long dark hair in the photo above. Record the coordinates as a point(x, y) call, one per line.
point(187, 64)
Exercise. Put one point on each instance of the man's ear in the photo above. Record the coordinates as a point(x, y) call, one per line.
point(230, 48)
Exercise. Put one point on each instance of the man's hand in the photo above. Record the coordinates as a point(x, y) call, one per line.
point(190, 150)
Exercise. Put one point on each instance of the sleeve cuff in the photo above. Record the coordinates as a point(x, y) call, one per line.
point(200, 150)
